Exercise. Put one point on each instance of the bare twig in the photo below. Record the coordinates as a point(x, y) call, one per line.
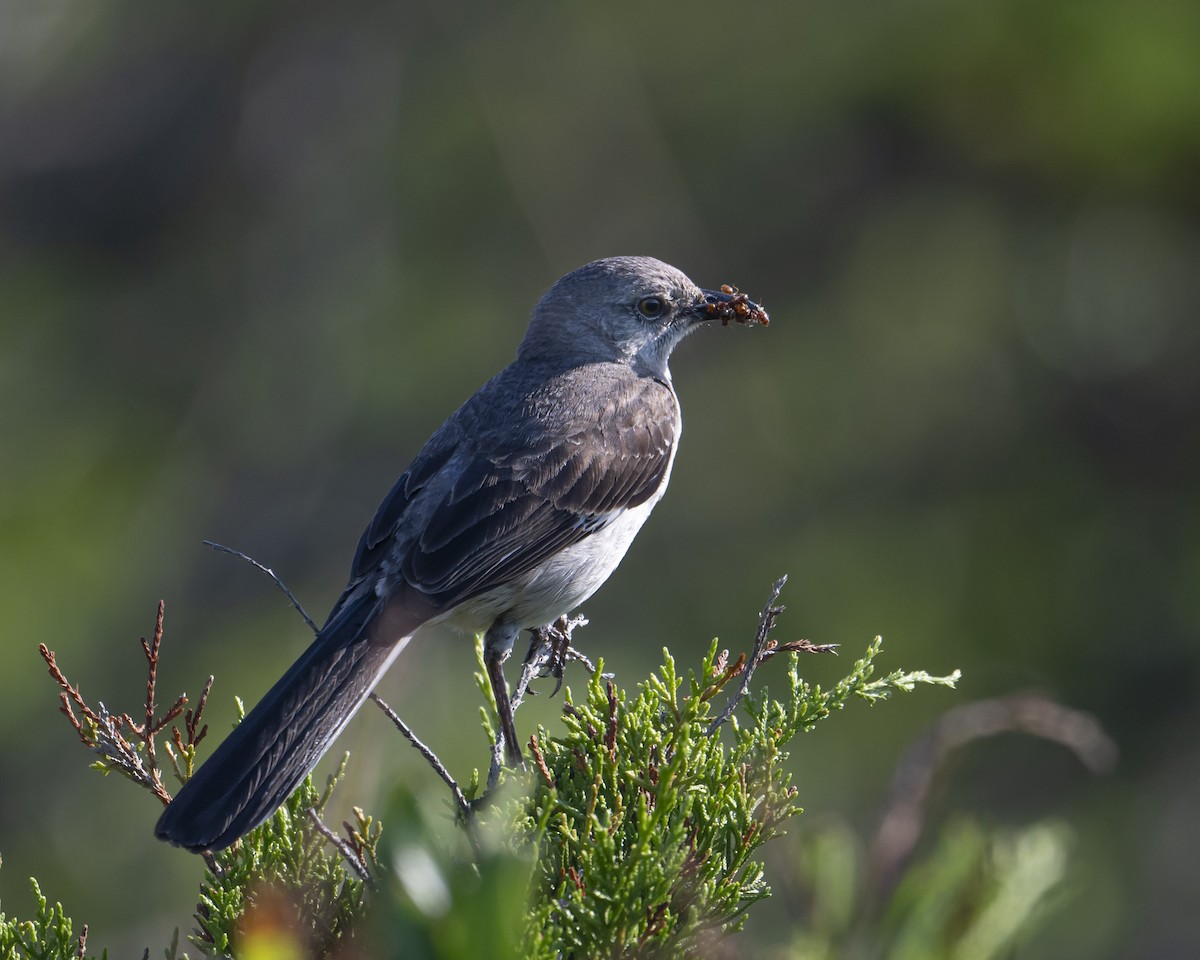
point(274, 577)
point(68, 695)
point(344, 847)
point(431, 758)
point(496, 765)
point(917, 771)
point(151, 650)
point(764, 649)
point(797, 646)
point(191, 719)
point(104, 732)
point(148, 730)
point(766, 622)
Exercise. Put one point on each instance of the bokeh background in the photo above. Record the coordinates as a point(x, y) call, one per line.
point(252, 253)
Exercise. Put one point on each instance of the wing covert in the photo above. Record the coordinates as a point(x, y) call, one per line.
point(509, 511)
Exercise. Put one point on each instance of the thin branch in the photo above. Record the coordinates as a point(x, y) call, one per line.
point(766, 622)
point(797, 646)
point(148, 730)
point(578, 657)
point(274, 577)
point(916, 773)
point(151, 650)
point(192, 717)
point(764, 649)
point(431, 758)
point(344, 847)
point(70, 694)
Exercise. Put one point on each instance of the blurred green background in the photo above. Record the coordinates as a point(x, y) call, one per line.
point(252, 253)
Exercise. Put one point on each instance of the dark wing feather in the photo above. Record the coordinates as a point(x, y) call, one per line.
point(523, 492)
point(376, 539)
point(510, 510)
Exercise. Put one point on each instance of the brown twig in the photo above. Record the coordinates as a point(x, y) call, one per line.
point(610, 734)
point(797, 646)
point(916, 773)
point(151, 651)
point(149, 729)
point(725, 672)
point(104, 732)
point(191, 719)
point(70, 694)
point(539, 760)
point(764, 648)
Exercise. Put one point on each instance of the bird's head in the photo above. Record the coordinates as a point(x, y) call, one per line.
point(630, 310)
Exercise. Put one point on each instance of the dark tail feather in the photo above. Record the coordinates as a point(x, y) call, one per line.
point(267, 755)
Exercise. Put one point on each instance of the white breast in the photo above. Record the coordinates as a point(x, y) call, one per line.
point(566, 579)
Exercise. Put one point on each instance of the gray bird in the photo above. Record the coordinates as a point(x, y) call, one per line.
point(517, 509)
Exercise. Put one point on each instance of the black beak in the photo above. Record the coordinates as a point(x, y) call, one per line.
point(728, 304)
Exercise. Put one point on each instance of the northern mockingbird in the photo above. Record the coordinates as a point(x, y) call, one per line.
point(517, 509)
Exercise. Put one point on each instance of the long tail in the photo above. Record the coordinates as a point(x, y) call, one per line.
point(267, 755)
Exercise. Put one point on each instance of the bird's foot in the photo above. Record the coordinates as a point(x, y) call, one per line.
point(550, 649)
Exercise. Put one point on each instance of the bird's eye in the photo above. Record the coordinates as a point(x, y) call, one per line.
point(652, 307)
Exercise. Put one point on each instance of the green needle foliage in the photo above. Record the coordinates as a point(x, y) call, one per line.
point(635, 832)
point(284, 880)
point(48, 936)
point(647, 824)
point(978, 894)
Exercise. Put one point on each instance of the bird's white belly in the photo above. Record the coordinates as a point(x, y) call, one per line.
point(564, 580)
point(560, 584)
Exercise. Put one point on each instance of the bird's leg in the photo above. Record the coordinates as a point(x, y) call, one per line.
point(497, 645)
